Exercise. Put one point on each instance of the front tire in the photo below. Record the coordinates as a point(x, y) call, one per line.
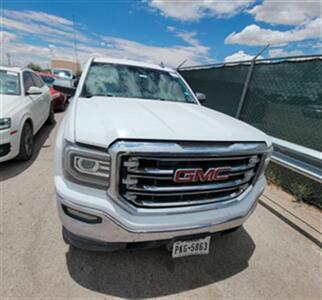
point(26, 143)
point(51, 118)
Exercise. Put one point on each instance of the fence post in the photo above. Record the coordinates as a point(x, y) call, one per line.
point(248, 77)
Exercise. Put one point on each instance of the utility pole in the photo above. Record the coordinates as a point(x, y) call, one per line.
point(9, 59)
point(75, 44)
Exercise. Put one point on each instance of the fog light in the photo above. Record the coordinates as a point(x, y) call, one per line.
point(81, 216)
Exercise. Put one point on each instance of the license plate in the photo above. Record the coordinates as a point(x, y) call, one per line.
point(194, 247)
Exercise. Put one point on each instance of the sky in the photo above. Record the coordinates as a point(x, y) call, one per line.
point(168, 31)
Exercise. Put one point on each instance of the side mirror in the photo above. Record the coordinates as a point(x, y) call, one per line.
point(33, 90)
point(64, 86)
point(201, 97)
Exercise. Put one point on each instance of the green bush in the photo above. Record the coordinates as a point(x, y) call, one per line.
point(301, 187)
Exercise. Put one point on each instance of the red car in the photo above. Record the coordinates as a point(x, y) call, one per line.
point(60, 100)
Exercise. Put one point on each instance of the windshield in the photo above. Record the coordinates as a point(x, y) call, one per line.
point(48, 80)
point(116, 80)
point(9, 83)
point(63, 74)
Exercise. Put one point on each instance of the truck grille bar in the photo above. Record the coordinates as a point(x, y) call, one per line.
point(147, 180)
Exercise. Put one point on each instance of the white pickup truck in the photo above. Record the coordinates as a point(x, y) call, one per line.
point(140, 163)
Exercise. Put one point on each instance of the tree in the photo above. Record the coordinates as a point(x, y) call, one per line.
point(34, 67)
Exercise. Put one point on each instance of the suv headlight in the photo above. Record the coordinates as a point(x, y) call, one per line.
point(5, 123)
point(87, 165)
point(267, 158)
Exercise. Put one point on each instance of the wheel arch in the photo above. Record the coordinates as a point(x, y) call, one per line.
point(24, 120)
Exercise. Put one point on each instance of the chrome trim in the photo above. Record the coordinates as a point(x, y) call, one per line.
point(186, 203)
point(189, 192)
point(205, 187)
point(185, 150)
point(113, 228)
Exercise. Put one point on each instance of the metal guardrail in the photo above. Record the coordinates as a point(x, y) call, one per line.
point(305, 161)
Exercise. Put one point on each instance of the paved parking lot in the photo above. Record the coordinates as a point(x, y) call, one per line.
point(265, 259)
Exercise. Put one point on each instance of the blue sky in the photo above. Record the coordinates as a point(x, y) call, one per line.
point(204, 31)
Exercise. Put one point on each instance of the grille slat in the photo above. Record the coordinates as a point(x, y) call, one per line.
point(165, 194)
point(204, 187)
point(148, 181)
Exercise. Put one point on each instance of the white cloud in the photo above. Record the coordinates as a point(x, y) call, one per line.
point(317, 45)
point(282, 52)
point(17, 20)
point(49, 29)
point(190, 38)
point(188, 10)
point(171, 56)
point(286, 12)
point(254, 35)
point(41, 17)
point(6, 37)
point(240, 56)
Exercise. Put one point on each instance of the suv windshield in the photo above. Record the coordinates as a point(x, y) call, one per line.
point(114, 80)
point(9, 83)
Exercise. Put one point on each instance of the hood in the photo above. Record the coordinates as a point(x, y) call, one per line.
point(8, 103)
point(102, 120)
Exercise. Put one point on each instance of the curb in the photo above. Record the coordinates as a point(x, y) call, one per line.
point(291, 219)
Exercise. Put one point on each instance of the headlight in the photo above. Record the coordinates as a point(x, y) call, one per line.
point(87, 165)
point(267, 158)
point(5, 123)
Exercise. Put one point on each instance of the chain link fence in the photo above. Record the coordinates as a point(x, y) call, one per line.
point(283, 98)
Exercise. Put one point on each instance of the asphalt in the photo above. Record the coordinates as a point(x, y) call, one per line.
point(265, 259)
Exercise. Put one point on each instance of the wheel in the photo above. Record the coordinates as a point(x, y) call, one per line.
point(26, 143)
point(63, 105)
point(51, 118)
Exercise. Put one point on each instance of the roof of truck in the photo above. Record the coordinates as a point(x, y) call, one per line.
point(12, 69)
point(131, 63)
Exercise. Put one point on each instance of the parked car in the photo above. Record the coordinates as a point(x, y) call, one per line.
point(66, 74)
point(63, 73)
point(139, 162)
point(26, 105)
point(60, 100)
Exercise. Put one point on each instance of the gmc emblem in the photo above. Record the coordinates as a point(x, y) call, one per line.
point(198, 175)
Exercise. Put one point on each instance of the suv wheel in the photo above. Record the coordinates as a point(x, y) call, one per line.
point(26, 143)
point(51, 117)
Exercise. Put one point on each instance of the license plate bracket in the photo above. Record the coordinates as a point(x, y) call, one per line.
point(183, 248)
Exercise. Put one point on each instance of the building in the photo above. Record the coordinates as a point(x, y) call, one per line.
point(66, 64)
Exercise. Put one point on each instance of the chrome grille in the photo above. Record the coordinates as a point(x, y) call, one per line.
point(148, 180)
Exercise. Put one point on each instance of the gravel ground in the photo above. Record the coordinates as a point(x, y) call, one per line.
point(265, 259)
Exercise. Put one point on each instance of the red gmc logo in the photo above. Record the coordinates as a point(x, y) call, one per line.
point(198, 175)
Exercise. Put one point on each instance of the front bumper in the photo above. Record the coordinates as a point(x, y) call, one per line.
point(9, 145)
point(121, 226)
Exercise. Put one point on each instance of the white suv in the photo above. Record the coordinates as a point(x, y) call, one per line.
point(140, 163)
point(25, 105)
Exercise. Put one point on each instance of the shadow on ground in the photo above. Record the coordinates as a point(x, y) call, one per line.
point(14, 167)
point(153, 273)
